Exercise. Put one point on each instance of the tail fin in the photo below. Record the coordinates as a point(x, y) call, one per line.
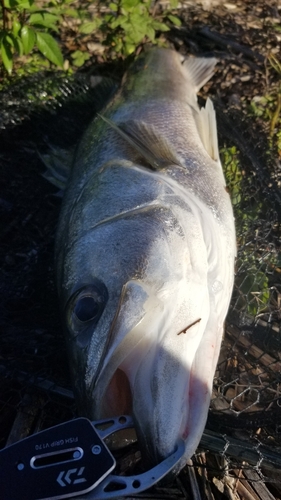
point(199, 70)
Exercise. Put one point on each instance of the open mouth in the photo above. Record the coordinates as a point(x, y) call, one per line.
point(118, 399)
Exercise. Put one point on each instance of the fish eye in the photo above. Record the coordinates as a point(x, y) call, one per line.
point(86, 309)
point(86, 306)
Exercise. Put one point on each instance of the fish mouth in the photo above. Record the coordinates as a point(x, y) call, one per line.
point(166, 392)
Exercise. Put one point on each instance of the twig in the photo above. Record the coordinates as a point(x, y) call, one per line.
point(189, 326)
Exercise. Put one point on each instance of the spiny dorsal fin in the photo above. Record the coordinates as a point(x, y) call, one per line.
point(205, 120)
point(144, 139)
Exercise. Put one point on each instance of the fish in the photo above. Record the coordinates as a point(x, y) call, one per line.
point(145, 252)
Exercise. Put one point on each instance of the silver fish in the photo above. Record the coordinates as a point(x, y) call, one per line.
point(145, 255)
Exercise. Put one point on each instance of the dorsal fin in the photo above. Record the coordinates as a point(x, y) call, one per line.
point(144, 139)
point(206, 124)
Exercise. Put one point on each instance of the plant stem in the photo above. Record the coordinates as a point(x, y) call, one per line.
point(4, 15)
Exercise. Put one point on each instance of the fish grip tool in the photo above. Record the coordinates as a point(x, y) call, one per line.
point(72, 460)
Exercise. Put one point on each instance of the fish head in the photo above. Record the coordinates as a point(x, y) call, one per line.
point(132, 287)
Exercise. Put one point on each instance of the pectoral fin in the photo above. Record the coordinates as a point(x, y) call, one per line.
point(58, 162)
point(155, 150)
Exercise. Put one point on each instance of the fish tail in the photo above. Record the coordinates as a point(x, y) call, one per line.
point(199, 70)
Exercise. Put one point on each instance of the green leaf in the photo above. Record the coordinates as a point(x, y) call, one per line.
point(16, 27)
point(74, 13)
point(137, 30)
point(7, 56)
point(139, 22)
point(44, 19)
point(49, 48)
point(160, 26)
point(150, 33)
point(135, 38)
point(76, 54)
point(119, 21)
point(175, 20)
point(10, 4)
point(128, 4)
point(89, 27)
point(22, 4)
point(45, 16)
point(113, 7)
point(47, 25)
point(79, 58)
point(107, 19)
point(129, 48)
point(28, 39)
point(18, 45)
point(9, 39)
point(51, 27)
